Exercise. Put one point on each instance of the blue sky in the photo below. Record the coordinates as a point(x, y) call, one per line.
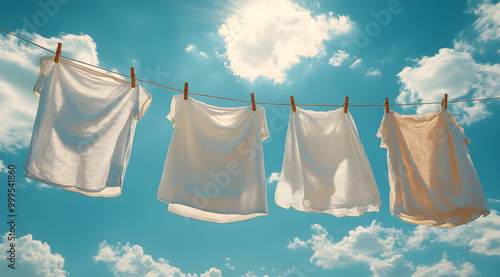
point(317, 51)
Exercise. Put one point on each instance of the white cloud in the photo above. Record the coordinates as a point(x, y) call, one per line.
point(267, 37)
point(45, 186)
point(359, 247)
point(33, 258)
point(385, 60)
point(126, 260)
point(38, 185)
point(288, 271)
point(338, 57)
point(382, 249)
point(488, 23)
point(80, 47)
point(20, 67)
point(455, 73)
point(250, 274)
point(25, 183)
point(228, 264)
point(212, 272)
point(493, 201)
point(297, 243)
point(481, 236)
point(136, 63)
point(463, 46)
point(373, 72)
point(355, 63)
point(275, 176)
point(17, 110)
point(192, 48)
point(221, 56)
point(446, 268)
point(395, 266)
point(3, 169)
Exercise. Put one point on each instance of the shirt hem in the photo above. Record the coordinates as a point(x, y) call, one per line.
point(338, 212)
point(188, 210)
point(448, 222)
point(91, 193)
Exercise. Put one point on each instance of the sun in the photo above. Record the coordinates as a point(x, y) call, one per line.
point(259, 12)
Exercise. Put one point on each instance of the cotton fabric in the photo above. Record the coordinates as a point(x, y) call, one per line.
point(432, 178)
point(214, 169)
point(84, 128)
point(325, 168)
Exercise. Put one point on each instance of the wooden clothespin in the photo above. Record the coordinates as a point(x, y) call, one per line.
point(58, 52)
point(386, 105)
point(346, 104)
point(186, 85)
point(132, 76)
point(445, 102)
point(293, 104)
point(254, 108)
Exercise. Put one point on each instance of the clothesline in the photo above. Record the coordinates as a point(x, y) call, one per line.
point(95, 110)
point(317, 175)
point(238, 100)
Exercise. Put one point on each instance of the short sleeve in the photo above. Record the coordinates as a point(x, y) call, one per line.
point(263, 124)
point(174, 109)
point(46, 66)
point(458, 130)
point(144, 101)
point(382, 132)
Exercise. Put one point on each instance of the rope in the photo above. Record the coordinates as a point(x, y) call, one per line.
point(237, 100)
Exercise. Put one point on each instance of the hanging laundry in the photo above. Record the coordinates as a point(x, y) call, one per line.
point(214, 170)
point(83, 129)
point(325, 168)
point(432, 178)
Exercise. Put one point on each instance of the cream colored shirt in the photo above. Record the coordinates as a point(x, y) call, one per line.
point(432, 178)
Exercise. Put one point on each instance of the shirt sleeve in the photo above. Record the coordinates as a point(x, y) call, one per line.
point(263, 124)
point(382, 132)
point(174, 109)
point(458, 130)
point(144, 101)
point(46, 66)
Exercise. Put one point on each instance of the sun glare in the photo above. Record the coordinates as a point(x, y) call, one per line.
point(258, 13)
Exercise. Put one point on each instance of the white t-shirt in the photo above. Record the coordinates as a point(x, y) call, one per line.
point(83, 129)
point(432, 178)
point(325, 168)
point(214, 169)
